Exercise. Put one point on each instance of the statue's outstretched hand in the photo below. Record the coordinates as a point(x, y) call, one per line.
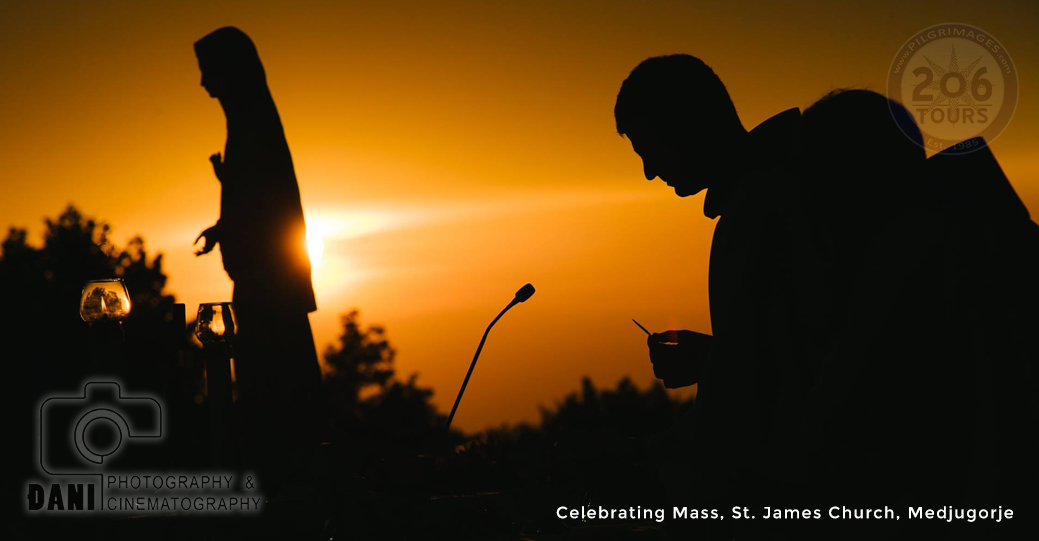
point(212, 236)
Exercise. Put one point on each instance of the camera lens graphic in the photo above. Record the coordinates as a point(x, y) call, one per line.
point(109, 425)
point(82, 434)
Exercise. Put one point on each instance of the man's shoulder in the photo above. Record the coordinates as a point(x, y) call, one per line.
point(777, 134)
point(770, 183)
point(768, 193)
point(773, 144)
point(765, 206)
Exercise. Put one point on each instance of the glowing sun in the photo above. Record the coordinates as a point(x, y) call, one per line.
point(315, 246)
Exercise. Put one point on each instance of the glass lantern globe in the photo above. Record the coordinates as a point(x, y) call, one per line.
point(104, 300)
point(215, 322)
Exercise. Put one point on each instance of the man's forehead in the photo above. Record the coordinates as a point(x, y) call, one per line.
point(642, 134)
point(637, 125)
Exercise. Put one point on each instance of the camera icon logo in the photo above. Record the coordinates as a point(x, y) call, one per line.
point(83, 434)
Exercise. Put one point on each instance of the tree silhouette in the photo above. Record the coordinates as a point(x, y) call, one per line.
point(361, 359)
point(46, 344)
point(76, 249)
point(368, 405)
point(45, 282)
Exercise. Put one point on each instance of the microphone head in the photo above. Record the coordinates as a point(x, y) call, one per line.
point(524, 293)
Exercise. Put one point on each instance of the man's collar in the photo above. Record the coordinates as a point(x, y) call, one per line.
point(769, 144)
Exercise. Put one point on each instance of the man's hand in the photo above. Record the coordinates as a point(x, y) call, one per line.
point(218, 166)
point(678, 355)
point(212, 236)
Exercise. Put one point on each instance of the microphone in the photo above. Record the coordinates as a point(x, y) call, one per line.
point(522, 295)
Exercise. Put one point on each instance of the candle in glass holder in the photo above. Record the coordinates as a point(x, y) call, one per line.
point(104, 299)
point(215, 322)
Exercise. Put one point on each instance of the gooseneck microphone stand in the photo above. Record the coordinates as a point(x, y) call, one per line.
point(523, 294)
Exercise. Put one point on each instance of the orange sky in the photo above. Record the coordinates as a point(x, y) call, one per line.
point(448, 152)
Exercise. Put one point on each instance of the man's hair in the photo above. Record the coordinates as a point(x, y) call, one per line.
point(673, 92)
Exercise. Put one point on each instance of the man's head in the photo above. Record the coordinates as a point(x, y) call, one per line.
point(680, 120)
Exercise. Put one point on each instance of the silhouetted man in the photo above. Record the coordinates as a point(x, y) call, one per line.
point(682, 123)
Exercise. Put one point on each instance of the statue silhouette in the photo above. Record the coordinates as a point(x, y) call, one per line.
point(262, 238)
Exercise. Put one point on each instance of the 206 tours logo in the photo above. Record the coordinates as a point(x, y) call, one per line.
point(958, 82)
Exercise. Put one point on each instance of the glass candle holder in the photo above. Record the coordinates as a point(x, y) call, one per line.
point(215, 322)
point(104, 299)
